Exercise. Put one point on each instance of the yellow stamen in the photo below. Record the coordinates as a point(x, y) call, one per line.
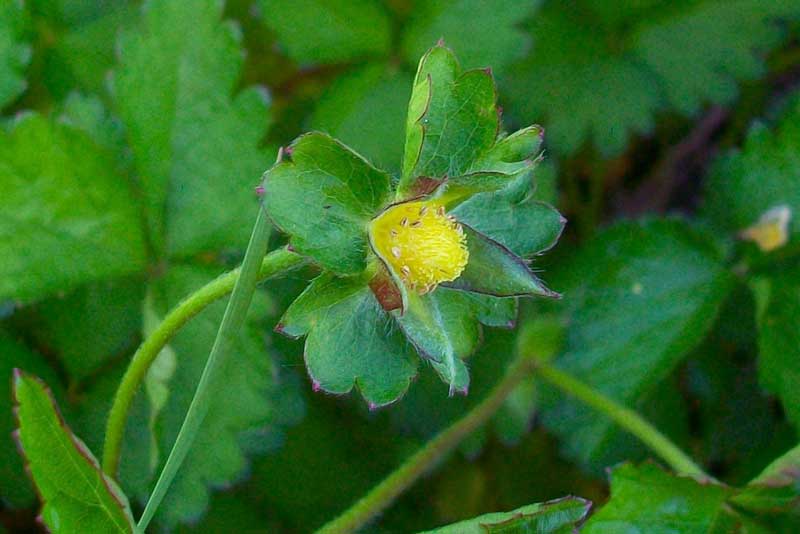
point(420, 243)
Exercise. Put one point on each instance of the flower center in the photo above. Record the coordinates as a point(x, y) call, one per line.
point(422, 244)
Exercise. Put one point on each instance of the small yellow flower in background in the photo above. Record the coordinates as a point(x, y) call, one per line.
point(772, 229)
point(421, 243)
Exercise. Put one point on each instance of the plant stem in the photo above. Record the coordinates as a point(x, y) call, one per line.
point(276, 262)
point(382, 495)
point(235, 314)
point(627, 419)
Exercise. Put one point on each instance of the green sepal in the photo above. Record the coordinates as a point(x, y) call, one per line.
point(355, 343)
point(499, 312)
point(323, 195)
point(76, 495)
point(324, 291)
point(493, 269)
point(452, 120)
point(442, 327)
point(512, 158)
point(527, 228)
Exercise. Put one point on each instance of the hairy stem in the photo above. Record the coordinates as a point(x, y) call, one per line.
point(382, 495)
point(276, 262)
point(624, 417)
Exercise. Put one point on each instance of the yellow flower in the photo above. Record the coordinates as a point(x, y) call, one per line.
point(421, 243)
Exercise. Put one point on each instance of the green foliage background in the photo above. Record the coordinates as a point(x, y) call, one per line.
point(131, 141)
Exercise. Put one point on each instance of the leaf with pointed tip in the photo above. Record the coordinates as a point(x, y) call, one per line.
point(492, 269)
point(562, 516)
point(15, 53)
point(355, 343)
point(195, 142)
point(14, 485)
point(344, 30)
point(526, 228)
point(646, 498)
point(76, 495)
point(56, 232)
point(323, 195)
point(452, 120)
point(444, 331)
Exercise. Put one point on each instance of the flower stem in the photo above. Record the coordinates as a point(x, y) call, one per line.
point(624, 417)
point(276, 262)
point(235, 314)
point(382, 495)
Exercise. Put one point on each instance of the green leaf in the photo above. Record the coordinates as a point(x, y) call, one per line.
point(245, 402)
point(776, 491)
point(365, 109)
point(639, 297)
point(14, 486)
point(452, 120)
point(492, 269)
point(355, 343)
point(88, 114)
point(344, 30)
point(562, 516)
point(77, 497)
point(323, 195)
point(599, 79)
point(195, 144)
point(58, 233)
point(778, 304)
point(92, 324)
point(765, 174)
point(648, 499)
point(526, 228)
point(15, 53)
point(323, 292)
point(484, 33)
point(84, 49)
point(444, 331)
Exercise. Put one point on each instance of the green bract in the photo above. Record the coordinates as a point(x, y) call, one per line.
point(360, 317)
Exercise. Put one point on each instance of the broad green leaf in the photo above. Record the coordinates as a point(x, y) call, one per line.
point(599, 79)
point(492, 269)
point(526, 228)
point(323, 195)
point(57, 233)
point(15, 53)
point(444, 331)
point(485, 34)
point(344, 30)
point(15, 488)
point(194, 140)
point(452, 120)
point(778, 303)
point(562, 516)
point(76, 496)
point(355, 343)
point(638, 298)
point(648, 499)
point(244, 402)
point(92, 324)
point(365, 109)
point(88, 114)
point(323, 292)
point(764, 175)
